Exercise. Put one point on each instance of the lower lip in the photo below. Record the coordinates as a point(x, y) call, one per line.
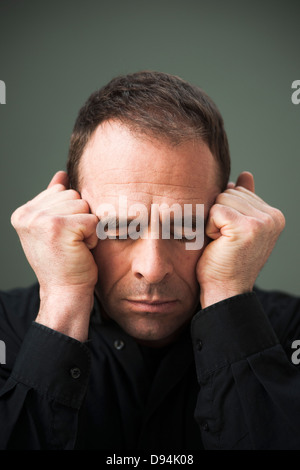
point(163, 307)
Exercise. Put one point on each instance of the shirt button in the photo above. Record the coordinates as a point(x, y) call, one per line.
point(199, 345)
point(204, 426)
point(75, 372)
point(119, 344)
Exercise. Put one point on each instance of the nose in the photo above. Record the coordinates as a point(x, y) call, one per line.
point(151, 260)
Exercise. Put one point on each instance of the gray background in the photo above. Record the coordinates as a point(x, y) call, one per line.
point(245, 55)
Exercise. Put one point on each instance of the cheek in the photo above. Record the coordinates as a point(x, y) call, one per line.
point(111, 261)
point(185, 263)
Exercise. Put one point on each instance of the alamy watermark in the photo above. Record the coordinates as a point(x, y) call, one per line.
point(296, 94)
point(166, 222)
point(295, 358)
point(2, 352)
point(2, 92)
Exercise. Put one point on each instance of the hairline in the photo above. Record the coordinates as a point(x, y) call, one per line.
point(148, 135)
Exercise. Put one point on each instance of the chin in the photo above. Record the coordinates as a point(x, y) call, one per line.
point(154, 334)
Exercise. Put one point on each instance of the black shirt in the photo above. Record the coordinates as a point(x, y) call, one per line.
point(229, 382)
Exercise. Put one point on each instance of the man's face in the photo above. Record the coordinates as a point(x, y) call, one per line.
point(148, 285)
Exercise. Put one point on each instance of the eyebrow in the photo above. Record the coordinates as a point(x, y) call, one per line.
point(125, 222)
point(117, 221)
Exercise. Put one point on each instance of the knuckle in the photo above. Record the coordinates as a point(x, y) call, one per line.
point(19, 216)
point(58, 187)
point(41, 222)
point(280, 219)
point(217, 207)
point(254, 226)
point(222, 198)
point(50, 230)
point(36, 219)
point(84, 205)
point(53, 223)
point(274, 220)
point(265, 225)
point(73, 194)
point(267, 221)
point(14, 218)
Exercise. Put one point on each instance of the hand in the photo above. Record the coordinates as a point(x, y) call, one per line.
point(243, 229)
point(57, 233)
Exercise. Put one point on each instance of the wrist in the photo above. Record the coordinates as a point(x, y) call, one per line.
point(66, 311)
point(212, 294)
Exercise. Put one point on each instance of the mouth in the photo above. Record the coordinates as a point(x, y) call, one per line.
point(152, 306)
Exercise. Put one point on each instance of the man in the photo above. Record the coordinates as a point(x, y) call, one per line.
point(139, 342)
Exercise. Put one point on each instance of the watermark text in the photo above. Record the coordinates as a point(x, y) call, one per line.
point(165, 222)
point(296, 94)
point(2, 352)
point(295, 358)
point(2, 92)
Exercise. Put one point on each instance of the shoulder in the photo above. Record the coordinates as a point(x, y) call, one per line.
point(18, 308)
point(283, 311)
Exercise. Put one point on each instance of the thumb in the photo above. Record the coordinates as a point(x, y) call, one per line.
point(60, 177)
point(246, 180)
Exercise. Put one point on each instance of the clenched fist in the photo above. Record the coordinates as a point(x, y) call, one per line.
point(57, 232)
point(243, 229)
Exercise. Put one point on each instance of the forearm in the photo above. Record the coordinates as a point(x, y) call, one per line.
point(44, 392)
point(248, 395)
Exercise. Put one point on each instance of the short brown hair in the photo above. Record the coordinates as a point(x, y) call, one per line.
point(156, 104)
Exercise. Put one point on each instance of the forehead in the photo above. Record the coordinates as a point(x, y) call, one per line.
point(117, 163)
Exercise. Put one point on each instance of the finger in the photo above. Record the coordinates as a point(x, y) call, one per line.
point(246, 180)
point(244, 193)
point(92, 240)
point(60, 177)
point(70, 207)
point(230, 185)
point(84, 226)
point(220, 219)
point(54, 194)
point(212, 231)
point(88, 230)
point(243, 203)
